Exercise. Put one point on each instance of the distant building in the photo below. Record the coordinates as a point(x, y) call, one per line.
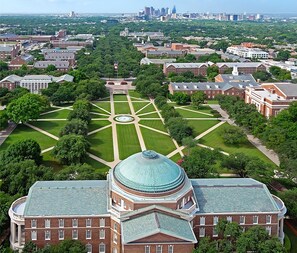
point(202, 52)
point(179, 68)
point(245, 52)
point(9, 51)
point(271, 98)
point(165, 53)
point(34, 83)
point(20, 60)
point(66, 44)
point(138, 211)
point(243, 67)
point(151, 35)
point(60, 56)
point(62, 66)
point(159, 62)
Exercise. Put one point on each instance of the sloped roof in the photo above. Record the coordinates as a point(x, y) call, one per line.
point(240, 64)
point(211, 86)
point(186, 65)
point(236, 195)
point(64, 78)
point(154, 223)
point(67, 198)
point(289, 89)
point(12, 78)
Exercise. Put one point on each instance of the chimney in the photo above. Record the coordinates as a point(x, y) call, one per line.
point(235, 71)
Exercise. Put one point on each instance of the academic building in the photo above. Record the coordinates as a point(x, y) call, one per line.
point(146, 205)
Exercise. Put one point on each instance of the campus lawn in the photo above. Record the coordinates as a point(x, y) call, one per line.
point(139, 105)
point(201, 126)
point(202, 108)
point(151, 115)
point(122, 108)
point(100, 167)
point(97, 124)
point(102, 145)
point(176, 157)
point(53, 127)
point(147, 109)
point(128, 140)
point(95, 115)
point(212, 102)
point(98, 110)
point(23, 132)
point(62, 114)
point(103, 105)
point(190, 114)
point(156, 124)
point(159, 142)
point(215, 140)
point(135, 96)
point(120, 98)
point(50, 161)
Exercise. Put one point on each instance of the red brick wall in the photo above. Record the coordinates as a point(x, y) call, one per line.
point(178, 248)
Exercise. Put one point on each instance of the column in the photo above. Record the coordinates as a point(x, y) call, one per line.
point(12, 232)
point(281, 227)
point(19, 235)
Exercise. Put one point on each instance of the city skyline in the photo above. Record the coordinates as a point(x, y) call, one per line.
point(133, 6)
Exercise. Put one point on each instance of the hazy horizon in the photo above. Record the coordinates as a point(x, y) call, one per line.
point(133, 6)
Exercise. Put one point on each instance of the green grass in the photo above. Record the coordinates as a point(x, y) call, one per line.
point(101, 144)
point(50, 161)
point(23, 132)
point(201, 126)
point(157, 124)
point(98, 110)
point(120, 98)
point(96, 116)
point(122, 108)
point(189, 114)
point(149, 108)
point(176, 157)
point(159, 142)
point(138, 105)
point(151, 115)
point(128, 141)
point(204, 108)
point(134, 94)
point(212, 102)
point(104, 105)
point(215, 140)
point(53, 127)
point(100, 167)
point(63, 114)
point(96, 124)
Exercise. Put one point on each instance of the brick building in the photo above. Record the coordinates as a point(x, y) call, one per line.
point(9, 51)
point(243, 67)
point(271, 98)
point(179, 68)
point(146, 205)
point(60, 56)
point(62, 66)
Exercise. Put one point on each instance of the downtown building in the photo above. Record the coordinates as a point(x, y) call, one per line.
point(146, 205)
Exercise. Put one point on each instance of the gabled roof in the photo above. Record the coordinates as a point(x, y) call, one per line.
point(236, 195)
point(67, 198)
point(186, 65)
point(288, 89)
point(57, 64)
point(211, 86)
point(64, 78)
point(155, 223)
point(12, 79)
point(239, 64)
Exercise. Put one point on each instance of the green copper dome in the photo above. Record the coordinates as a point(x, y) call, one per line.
point(149, 172)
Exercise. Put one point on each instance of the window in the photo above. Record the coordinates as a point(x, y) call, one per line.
point(215, 232)
point(229, 219)
point(88, 234)
point(268, 219)
point(147, 249)
point(102, 234)
point(242, 220)
point(33, 224)
point(47, 235)
point(33, 235)
point(268, 230)
point(255, 219)
point(89, 248)
point(202, 232)
point(88, 222)
point(115, 226)
point(74, 223)
point(102, 222)
point(215, 220)
point(170, 249)
point(114, 250)
point(61, 223)
point(159, 249)
point(74, 234)
point(61, 234)
point(115, 238)
point(101, 248)
point(202, 220)
point(47, 223)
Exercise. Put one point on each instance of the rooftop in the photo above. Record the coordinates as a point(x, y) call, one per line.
point(186, 65)
point(236, 195)
point(67, 198)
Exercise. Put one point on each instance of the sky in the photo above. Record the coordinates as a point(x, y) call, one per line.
point(133, 6)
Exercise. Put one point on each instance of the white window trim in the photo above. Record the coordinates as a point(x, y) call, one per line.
point(75, 238)
point(102, 244)
point(255, 216)
point(202, 221)
point(170, 249)
point(34, 233)
point(215, 220)
point(75, 221)
point(61, 238)
point(147, 249)
point(45, 233)
point(242, 223)
point(32, 221)
point(61, 223)
point(47, 223)
point(103, 234)
point(270, 219)
point(90, 237)
point(102, 223)
point(159, 249)
point(202, 234)
point(88, 223)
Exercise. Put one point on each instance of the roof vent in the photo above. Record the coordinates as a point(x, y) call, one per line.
point(149, 154)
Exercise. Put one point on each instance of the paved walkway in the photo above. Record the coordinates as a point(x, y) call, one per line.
point(252, 139)
point(114, 133)
point(6, 132)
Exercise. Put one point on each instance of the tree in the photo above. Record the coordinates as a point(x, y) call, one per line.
point(22, 150)
point(200, 163)
point(290, 199)
point(179, 129)
point(272, 245)
point(212, 72)
point(198, 98)
point(206, 246)
point(283, 55)
point(3, 66)
point(160, 101)
point(81, 114)
point(181, 98)
point(169, 112)
point(71, 149)
point(3, 120)
point(28, 107)
point(190, 143)
point(75, 126)
point(262, 75)
point(69, 246)
point(82, 104)
point(64, 93)
point(233, 135)
point(95, 89)
point(50, 68)
point(79, 172)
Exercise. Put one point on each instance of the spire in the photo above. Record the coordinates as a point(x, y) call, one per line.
point(235, 71)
